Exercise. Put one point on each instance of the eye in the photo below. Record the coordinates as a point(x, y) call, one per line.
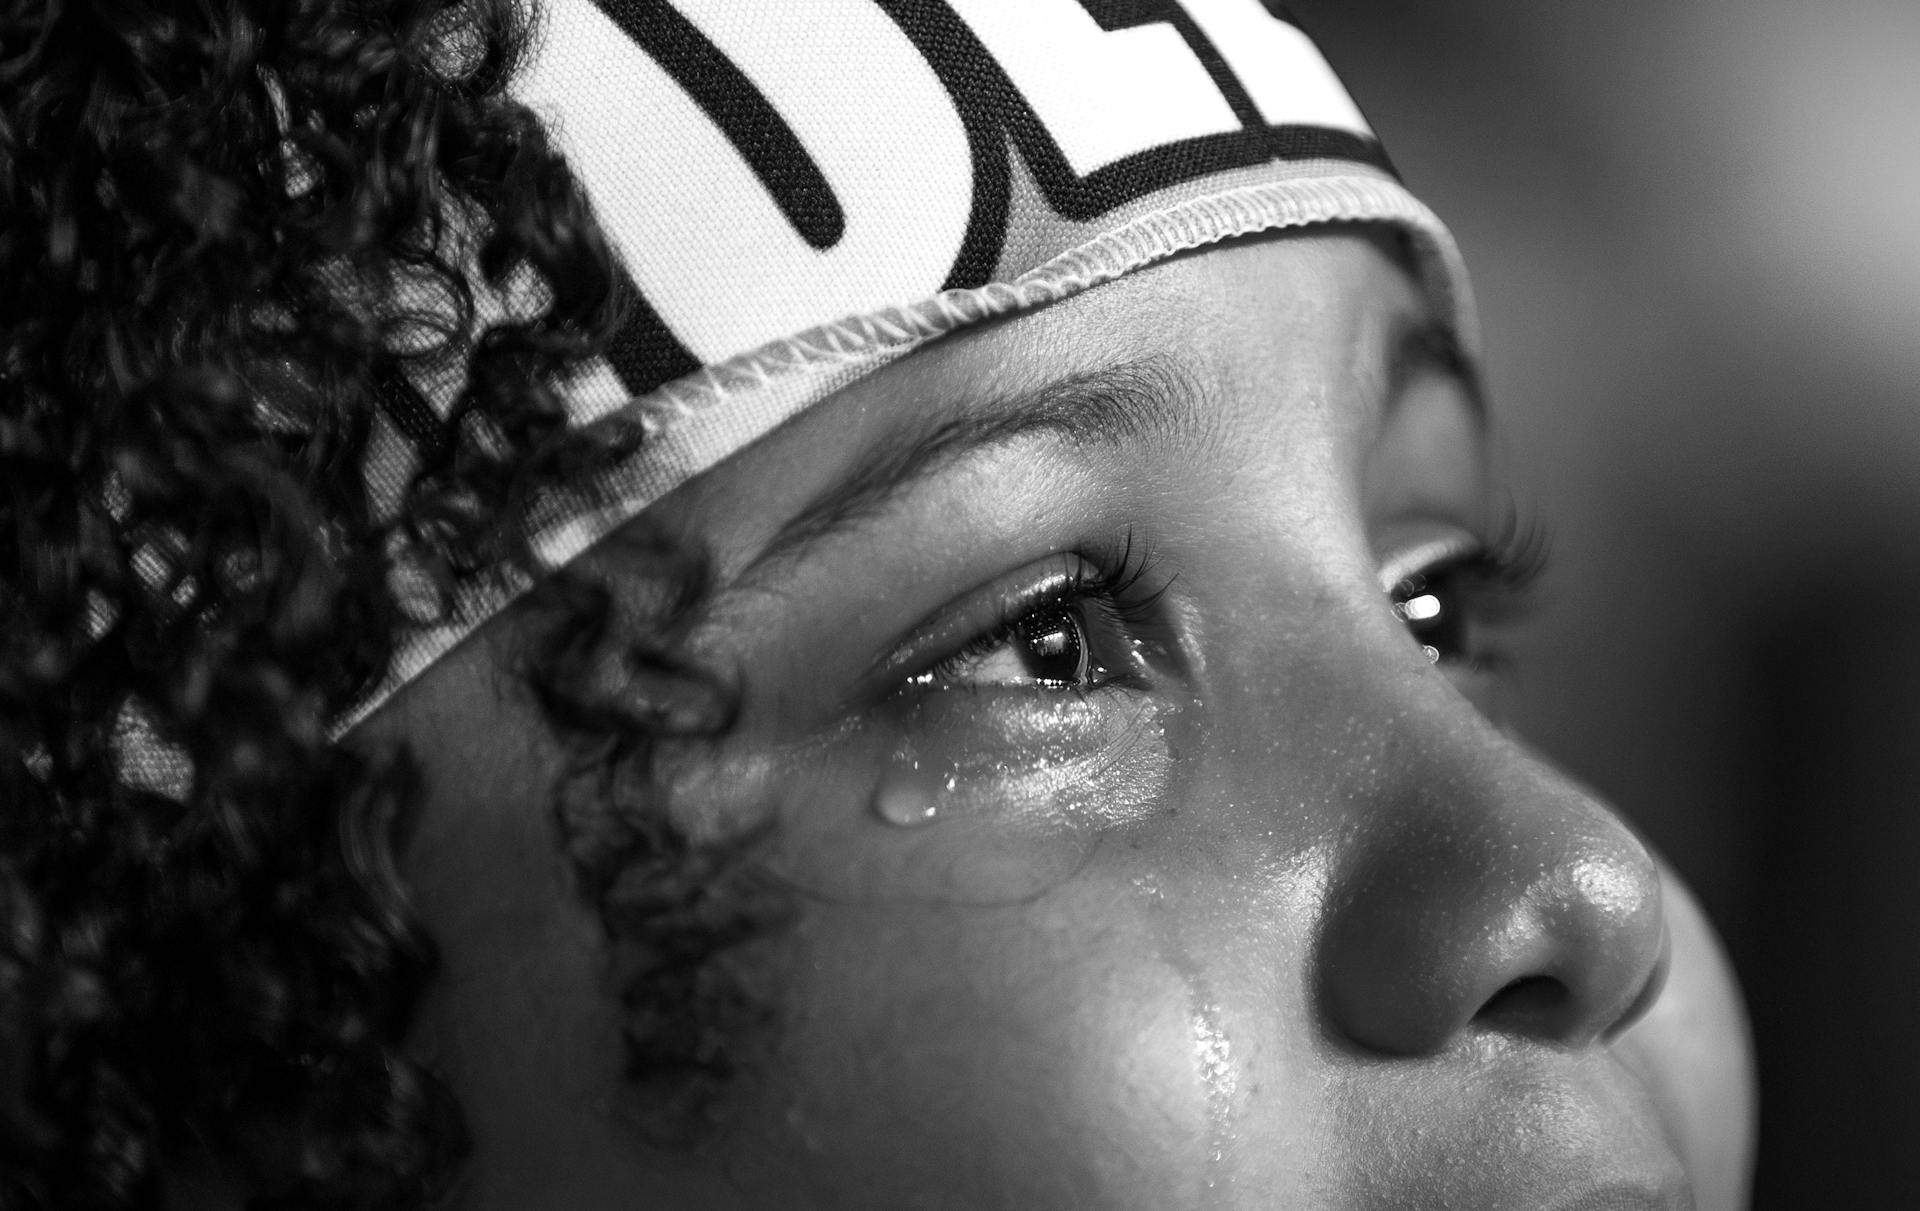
point(1078, 621)
point(1434, 609)
point(1048, 647)
point(1449, 590)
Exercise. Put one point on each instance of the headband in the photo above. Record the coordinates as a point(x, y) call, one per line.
point(800, 194)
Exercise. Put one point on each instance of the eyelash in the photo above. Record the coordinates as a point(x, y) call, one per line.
point(1107, 581)
point(1495, 581)
point(1514, 559)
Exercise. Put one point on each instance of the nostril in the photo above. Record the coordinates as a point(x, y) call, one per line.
point(1532, 1006)
point(1543, 1007)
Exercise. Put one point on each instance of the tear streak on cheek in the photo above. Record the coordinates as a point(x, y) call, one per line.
point(1047, 765)
point(969, 797)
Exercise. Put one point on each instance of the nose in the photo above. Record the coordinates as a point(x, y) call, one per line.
point(1489, 894)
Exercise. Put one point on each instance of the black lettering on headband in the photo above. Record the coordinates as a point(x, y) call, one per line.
point(1303, 142)
point(995, 113)
point(409, 411)
point(1283, 142)
point(997, 118)
point(741, 111)
point(1111, 15)
point(643, 353)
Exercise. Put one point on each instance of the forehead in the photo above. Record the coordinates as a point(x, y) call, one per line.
point(1277, 357)
point(1292, 344)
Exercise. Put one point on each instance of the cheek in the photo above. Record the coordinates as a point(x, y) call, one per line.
point(1128, 1038)
point(983, 999)
point(964, 798)
point(1009, 1056)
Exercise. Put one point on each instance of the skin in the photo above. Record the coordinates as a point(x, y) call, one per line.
point(1267, 915)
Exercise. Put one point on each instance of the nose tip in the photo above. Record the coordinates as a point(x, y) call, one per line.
point(1550, 929)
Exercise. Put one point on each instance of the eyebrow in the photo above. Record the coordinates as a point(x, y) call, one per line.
point(1149, 399)
point(1154, 398)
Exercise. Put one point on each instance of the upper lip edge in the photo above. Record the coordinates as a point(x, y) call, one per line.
point(1623, 1162)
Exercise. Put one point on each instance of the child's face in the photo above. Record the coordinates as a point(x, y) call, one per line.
point(1141, 855)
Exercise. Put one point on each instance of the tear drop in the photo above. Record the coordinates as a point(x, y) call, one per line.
point(906, 797)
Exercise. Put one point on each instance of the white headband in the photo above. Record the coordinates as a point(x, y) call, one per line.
point(802, 193)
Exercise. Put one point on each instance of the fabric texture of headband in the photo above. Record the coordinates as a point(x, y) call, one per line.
point(800, 194)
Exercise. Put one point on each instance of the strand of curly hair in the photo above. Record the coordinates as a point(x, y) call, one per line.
point(229, 238)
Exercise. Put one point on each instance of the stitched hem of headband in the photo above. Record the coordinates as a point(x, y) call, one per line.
point(696, 422)
point(688, 430)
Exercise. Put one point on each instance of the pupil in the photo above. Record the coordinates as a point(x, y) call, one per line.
point(1428, 609)
point(1052, 647)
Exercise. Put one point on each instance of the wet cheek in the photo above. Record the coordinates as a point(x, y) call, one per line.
point(966, 797)
point(1046, 764)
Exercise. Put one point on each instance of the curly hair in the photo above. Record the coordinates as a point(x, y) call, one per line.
point(238, 237)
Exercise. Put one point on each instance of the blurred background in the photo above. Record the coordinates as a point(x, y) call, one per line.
point(1695, 233)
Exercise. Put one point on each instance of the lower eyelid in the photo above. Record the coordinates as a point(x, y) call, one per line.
point(998, 738)
point(949, 671)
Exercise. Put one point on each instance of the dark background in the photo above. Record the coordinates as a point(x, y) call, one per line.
point(1695, 233)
